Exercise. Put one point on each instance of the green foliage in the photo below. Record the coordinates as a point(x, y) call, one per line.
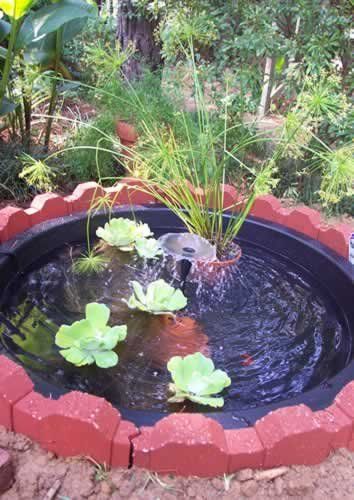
point(102, 29)
point(160, 298)
point(90, 340)
point(37, 174)
point(11, 186)
point(195, 378)
point(106, 61)
point(37, 39)
point(337, 174)
point(92, 149)
point(123, 233)
point(15, 9)
point(180, 26)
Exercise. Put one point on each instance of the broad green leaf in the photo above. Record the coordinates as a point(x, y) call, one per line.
point(50, 18)
point(3, 53)
point(69, 335)
point(15, 8)
point(139, 292)
point(148, 248)
point(5, 29)
point(106, 359)
point(6, 107)
point(115, 334)
point(97, 314)
point(208, 401)
point(195, 378)
point(90, 340)
point(77, 357)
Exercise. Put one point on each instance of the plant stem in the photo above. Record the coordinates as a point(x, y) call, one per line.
point(53, 97)
point(15, 25)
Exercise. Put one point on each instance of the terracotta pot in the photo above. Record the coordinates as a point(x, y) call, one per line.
point(210, 270)
point(126, 133)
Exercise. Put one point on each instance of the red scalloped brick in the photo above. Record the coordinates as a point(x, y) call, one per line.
point(292, 436)
point(187, 444)
point(129, 192)
point(14, 385)
point(29, 412)
point(303, 219)
point(50, 206)
point(141, 447)
point(336, 424)
point(345, 400)
point(84, 195)
point(266, 207)
point(80, 424)
point(336, 238)
point(245, 449)
point(122, 443)
point(13, 220)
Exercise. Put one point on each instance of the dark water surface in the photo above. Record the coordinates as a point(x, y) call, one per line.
point(271, 328)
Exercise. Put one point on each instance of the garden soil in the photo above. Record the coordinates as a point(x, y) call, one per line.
point(40, 475)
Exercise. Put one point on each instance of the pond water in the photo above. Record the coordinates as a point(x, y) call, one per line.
point(270, 327)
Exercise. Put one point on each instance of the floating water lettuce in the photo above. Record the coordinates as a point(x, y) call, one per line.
point(148, 248)
point(123, 233)
point(91, 340)
point(160, 298)
point(195, 378)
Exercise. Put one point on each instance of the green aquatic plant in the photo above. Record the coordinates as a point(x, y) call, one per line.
point(160, 298)
point(195, 378)
point(90, 262)
point(148, 248)
point(123, 233)
point(91, 340)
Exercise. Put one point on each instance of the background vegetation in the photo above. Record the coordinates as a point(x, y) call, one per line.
point(277, 65)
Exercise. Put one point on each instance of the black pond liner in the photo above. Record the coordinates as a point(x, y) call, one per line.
point(330, 272)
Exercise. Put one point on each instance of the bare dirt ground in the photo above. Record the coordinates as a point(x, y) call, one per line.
point(39, 475)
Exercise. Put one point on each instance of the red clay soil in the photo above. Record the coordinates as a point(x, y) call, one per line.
point(39, 475)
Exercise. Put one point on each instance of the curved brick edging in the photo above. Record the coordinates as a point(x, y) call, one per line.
point(47, 206)
point(184, 444)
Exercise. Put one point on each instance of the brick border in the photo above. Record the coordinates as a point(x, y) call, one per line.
point(184, 444)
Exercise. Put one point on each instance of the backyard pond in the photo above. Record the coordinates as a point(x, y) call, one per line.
point(267, 322)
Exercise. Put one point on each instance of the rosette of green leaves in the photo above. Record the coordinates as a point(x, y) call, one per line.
point(195, 378)
point(91, 340)
point(148, 248)
point(160, 298)
point(123, 233)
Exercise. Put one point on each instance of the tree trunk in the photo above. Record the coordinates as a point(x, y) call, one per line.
point(264, 105)
point(133, 29)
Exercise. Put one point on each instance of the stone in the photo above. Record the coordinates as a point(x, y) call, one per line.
point(270, 474)
point(6, 471)
point(249, 488)
point(279, 486)
point(244, 475)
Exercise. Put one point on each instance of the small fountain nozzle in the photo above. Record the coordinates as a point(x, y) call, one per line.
point(186, 249)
